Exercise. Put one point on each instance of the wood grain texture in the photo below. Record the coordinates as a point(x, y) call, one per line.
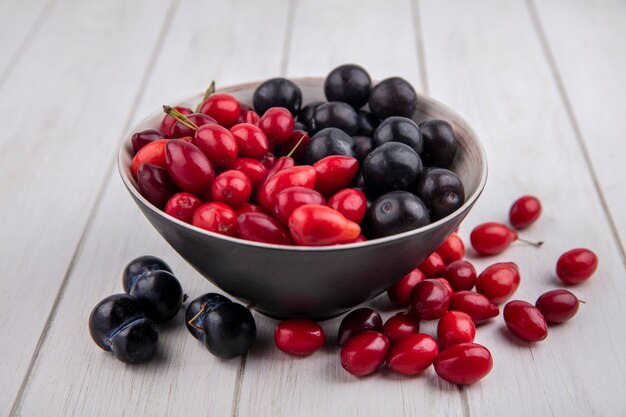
point(589, 50)
point(185, 379)
point(19, 22)
point(68, 99)
point(507, 92)
point(276, 384)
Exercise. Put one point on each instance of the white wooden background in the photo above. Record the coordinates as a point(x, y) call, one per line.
point(543, 83)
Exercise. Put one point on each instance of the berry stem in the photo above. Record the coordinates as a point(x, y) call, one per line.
point(295, 147)
point(529, 242)
point(198, 314)
point(172, 112)
point(582, 301)
point(210, 90)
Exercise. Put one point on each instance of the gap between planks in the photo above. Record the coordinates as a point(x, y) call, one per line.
point(556, 75)
point(30, 35)
point(94, 209)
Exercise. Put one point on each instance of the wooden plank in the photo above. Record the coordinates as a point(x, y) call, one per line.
point(485, 60)
point(21, 20)
point(276, 384)
point(185, 379)
point(66, 102)
point(589, 54)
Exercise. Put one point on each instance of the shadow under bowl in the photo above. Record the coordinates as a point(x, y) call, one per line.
point(312, 282)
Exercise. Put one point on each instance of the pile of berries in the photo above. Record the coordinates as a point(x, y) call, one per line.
point(442, 288)
point(124, 324)
point(321, 174)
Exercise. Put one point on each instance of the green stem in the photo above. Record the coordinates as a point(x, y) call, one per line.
point(295, 147)
point(179, 117)
point(210, 90)
point(535, 244)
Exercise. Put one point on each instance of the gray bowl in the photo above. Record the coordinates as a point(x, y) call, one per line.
point(313, 282)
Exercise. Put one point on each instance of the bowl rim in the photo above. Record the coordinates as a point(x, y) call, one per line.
point(309, 81)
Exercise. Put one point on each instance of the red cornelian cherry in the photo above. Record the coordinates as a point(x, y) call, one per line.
point(289, 199)
point(433, 266)
point(297, 176)
point(334, 173)
point(558, 306)
point(217, 143)
point(429, 300)
point(525, 321)
point(183, 206)
point(364, 353)
point(249, 208)
point(524, 211)
point(281, 163)
point(224, 108)
point(455, 327)
point(168, 121)
point(493, 238)
point(317, 225)
point(452, 249)
point(401, 325)
point(278, 124)
point(260, 227)
point(251, 141)
point(155, 184)
point(249, 116)
point(465, 363)
point(499, 281)
point(413, 354)
point(461, 275)
point(475, 305)
point(298, 136)
point(231, 187)
point(351, 202)
point(446, 284)
point(188, 166)
point(358, 321)
point(216, 217)
point(254, 170)
point(576, 266)
point(141, 139)
point(152, 153)
point(268, 160)
point(299, 337)
point(401, 290)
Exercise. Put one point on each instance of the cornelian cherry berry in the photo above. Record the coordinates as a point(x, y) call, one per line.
point(499, 281)
point(524, 211)
point(335, 172)
point(525, 321)
point(401, 325)
point(261, 227)
point(155, 184)
point(299, 337)
point(249, 116)
point(413, 354)
point(254, 170)
point(358, 321)
point(182, 206)
point(317, 225)
point(452, 249)
point(141, 139)
point(297, 176)
point(251, 141)
point(168, 121)
point(401, 290)
point(475, 305)
point(364, 353)
point(278, 124)
point(216, 217)
point(232, 188)
point(558, 306)
point(446, 284)
point(268, 160)
point(281, 163)
point(461, 275)
point(429, 300)
point(455, 327)
point(576, 265)
point(351, 202)
point(189, 168)
point(289, 199)
point(465, 363)
point(249, 208)
point(217, 144)
point(152, 153)
point(224, 108)
point(493, 238)
point(433, 266)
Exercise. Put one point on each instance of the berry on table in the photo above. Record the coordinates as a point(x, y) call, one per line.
point(474, 304)
point(452, 249)
point(524, 211)
point(299, 337)
point(429, 300)
point(141, 266)
point(364, 353)
point(401, 290)
point(358, 321)
point(576, 266)
point(558, 306)
point(433, 266)
point(499, 281)
point(413, 354)
point(401, 325)
point(455, 327)
point(229, 330)
point(493, 238)
point(461, 275)
point(158, 293)
point(465, 363)
point(198, 308)
point(525, 321)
